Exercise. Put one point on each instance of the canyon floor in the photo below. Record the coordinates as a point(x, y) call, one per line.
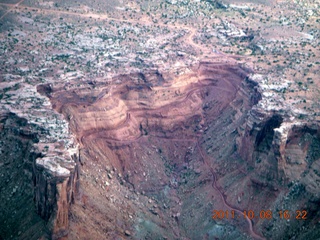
point(159, 120)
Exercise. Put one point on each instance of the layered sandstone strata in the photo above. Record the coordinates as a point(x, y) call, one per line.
point(146, 136)
point(155, 146)
point(281, 144)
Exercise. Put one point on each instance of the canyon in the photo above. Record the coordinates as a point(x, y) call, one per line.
point(159, 120)
point(154, 154)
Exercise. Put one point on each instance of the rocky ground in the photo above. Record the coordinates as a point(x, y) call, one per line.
point(139, 119)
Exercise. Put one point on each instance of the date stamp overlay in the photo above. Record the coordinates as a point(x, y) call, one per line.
point(262, 214)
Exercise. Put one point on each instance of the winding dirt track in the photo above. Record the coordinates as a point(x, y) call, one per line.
point(214, 178)
point(188, 39)
point(194, 139)
point(108, 132)
point(214, 185)
point(149, 110)
point(11, 7)
point(103, 133)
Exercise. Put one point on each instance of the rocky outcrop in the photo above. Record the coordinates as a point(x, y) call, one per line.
point(56, 182)
point(49, 173)
point(143, 134)
point(46, 160)
point(299, 153)
point(18, 218)
point(147, 135)
point(280, 146)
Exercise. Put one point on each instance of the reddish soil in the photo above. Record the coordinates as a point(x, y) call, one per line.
point(140, 136)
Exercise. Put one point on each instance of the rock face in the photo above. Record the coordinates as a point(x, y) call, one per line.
point(156, 136)
point(144, 139)
point(283, 149)
point(153, 147)
point(18, 218)
point(280, 146)
point(116, 88)
point(56, 184)
point(39, 173)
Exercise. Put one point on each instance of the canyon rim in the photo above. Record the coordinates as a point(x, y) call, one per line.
point(159, 120)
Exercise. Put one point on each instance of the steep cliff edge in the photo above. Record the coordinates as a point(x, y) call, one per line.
point(149, 143)
point(55, 178)
point(18, 216)
point(282, 147)
point(158, 152)
point(39, 174)
point(149, 154)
